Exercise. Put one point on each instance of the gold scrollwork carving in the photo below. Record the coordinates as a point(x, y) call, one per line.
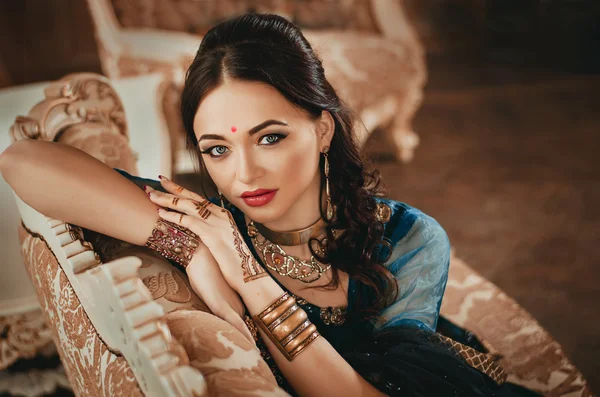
point(76, 98)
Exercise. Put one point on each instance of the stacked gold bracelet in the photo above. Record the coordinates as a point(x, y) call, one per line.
point(174, 242)
point(287, 325)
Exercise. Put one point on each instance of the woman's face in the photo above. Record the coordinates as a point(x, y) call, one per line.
point(252, 138)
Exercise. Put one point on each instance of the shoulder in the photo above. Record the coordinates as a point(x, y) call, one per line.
point(409, 229)
point(419, 261)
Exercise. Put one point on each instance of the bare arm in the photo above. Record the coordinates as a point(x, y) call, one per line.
point(66, 183)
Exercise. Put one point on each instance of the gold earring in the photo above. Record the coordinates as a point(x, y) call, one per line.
point(221, 198)
point(330, 211)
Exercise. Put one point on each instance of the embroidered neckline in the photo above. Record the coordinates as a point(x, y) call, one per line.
point(331, 315)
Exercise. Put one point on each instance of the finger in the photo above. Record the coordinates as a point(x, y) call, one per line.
point(202, 209)
point(165, 200)
point(179, 190)
point(180, 219)
point(199, 208)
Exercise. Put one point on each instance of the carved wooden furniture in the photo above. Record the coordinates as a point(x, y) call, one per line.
point(124, 320)
point(380, 70)
point(24, 332)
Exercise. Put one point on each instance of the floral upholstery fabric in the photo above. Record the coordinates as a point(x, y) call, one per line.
point(22, 335)
point(373, 75)
point(529, 354)
point(92, 369)
point(97, 140)
point(198, 16)
point(363, 68)
point(231, 364)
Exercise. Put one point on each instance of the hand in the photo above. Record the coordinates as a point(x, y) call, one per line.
point(207, 281)
point(216, 228)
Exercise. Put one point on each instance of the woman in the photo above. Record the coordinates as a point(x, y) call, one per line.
point(340, 286)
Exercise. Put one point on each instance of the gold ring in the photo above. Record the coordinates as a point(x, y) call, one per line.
point(180, 218)
point(175, 200)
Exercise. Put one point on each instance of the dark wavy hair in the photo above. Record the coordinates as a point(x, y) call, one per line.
point(267, 48)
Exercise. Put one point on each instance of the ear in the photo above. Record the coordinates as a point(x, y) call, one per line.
point(325, 129)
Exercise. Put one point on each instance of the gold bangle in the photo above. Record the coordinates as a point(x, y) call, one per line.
point(173, 241)
point(294, 343)
point(311, 338)
point(275, 304)
point(269, 318)
point(296, 332)
point(287, 325)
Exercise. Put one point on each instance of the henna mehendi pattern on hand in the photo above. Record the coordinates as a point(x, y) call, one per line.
point(252, 270)
point(201, 208)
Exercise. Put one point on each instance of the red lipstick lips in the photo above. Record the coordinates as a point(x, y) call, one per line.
point(258, 197)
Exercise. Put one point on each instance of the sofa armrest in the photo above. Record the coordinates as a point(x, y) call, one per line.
point(105, 322)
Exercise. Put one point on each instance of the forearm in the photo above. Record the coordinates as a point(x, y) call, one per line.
point(65, 183)
point(318, 370)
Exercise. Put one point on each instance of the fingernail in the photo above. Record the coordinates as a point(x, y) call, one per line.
point(145, 186)
point(161, 177)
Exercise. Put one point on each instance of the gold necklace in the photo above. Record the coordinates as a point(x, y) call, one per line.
point(294, 237)
point(291, 266)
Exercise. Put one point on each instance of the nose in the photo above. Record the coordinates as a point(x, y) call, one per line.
point(247, 168)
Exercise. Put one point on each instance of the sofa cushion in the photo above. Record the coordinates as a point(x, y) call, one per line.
point(231, 365)
point(530, 356)
point(100, 142)
point(92, 368)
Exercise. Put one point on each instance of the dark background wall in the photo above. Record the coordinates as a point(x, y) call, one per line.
point(45, 39)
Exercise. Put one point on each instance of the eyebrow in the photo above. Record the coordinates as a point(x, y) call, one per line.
point(251, 132)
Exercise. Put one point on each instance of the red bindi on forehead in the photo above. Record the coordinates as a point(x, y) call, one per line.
point(233, 129)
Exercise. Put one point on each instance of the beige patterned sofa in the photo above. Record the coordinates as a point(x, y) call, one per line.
point(370, 52)
point(126, 323)
point(24, 334)
point(530, 355)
